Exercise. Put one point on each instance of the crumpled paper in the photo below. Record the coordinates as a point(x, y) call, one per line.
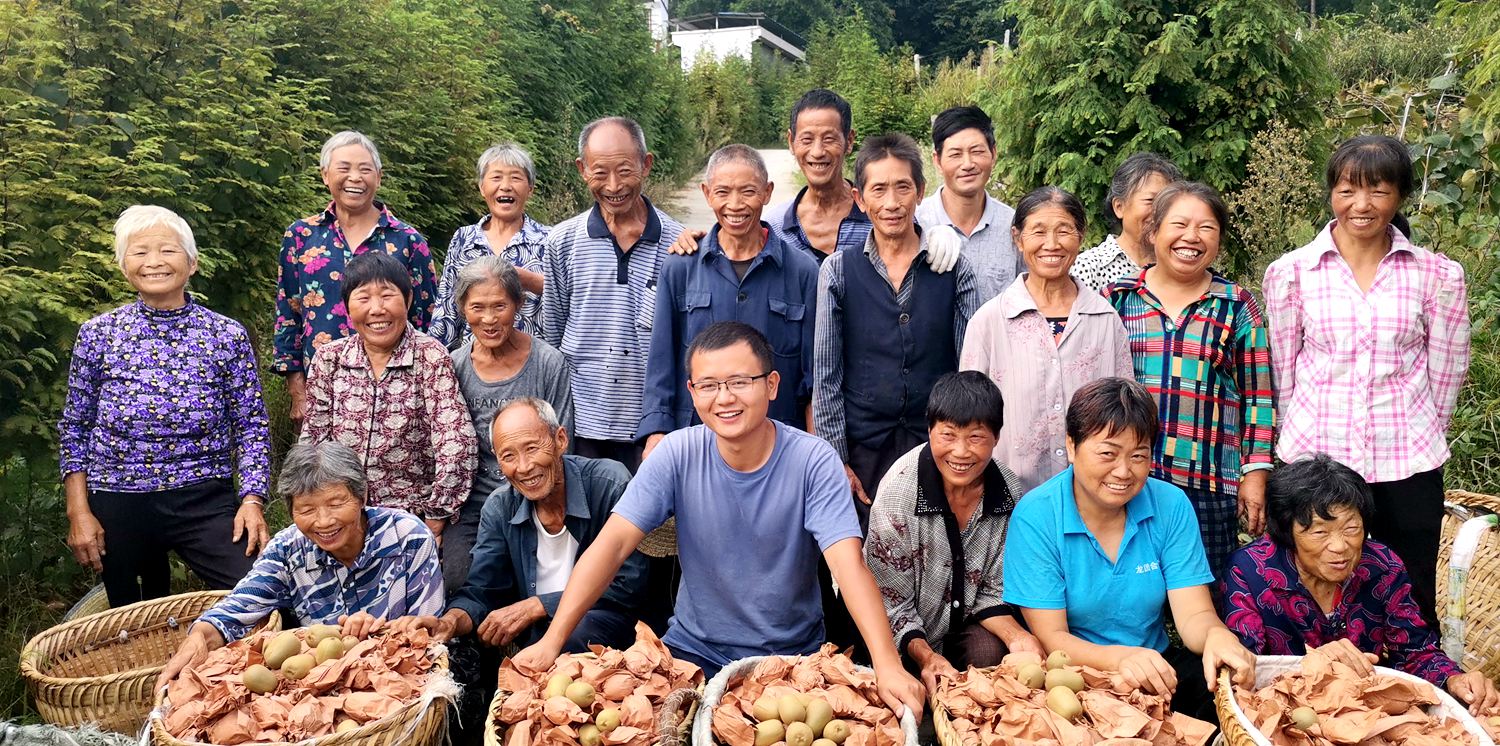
point(826, 674)
point(634, 680)
point(991, 706)
point(1374, 710)
point(373, 679)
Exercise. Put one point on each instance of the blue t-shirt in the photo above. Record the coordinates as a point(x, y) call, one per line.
point(1052, 561)
point(749, 542)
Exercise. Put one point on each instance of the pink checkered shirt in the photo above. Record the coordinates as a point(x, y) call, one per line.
point(1368, 378)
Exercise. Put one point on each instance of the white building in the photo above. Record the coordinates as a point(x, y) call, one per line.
point(720, 35)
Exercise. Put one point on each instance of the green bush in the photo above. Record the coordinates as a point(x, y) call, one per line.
point(881, 86)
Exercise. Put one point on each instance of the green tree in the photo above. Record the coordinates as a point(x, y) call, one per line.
point(881, 86)
point(1479, 25)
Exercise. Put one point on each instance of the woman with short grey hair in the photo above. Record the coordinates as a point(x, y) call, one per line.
point(506, 177)
point(500, 362)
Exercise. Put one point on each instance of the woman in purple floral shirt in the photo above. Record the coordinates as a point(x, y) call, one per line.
point(1315, 581)
point(164, 411)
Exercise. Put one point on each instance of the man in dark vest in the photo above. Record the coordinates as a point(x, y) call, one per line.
point(887, 325)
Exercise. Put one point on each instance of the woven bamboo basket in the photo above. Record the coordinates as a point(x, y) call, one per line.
point(674, 722)
point(93, 602)
point(662, 541)
point(421, 722)
point(99, 669)
point(1482, 613)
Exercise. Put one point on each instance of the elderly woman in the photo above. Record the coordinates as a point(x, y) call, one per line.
point(1096, 554)
point(1128, 207)
point(1370, 342)
point(1199, 344)
point(506, 179)
point(164, 411)
point(1044, 336)
point(316, 249)
point(499, 363)
point(389, 393)
point(948, 488)
point(343, 562)
point(1316, 582)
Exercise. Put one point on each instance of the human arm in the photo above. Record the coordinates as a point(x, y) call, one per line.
point(666, 379)
point(944, 245)
point(446, 319)
point(559, 295)
point(966, 295)
point(252, 451)
point(454, 444)
point(317, 425)
point(287, 341)
point(828, 358)
point(894, 561)
point(857, 586)
point(1447, 339)
point(85, 534)
point(1202, 632)
point(1257, 410)
point(1242, 612)
point(932, 666)
point(423, 281)
point(1141, 667)
point(1124, 363)
point(201, 640)
point(1284, 319)
point(266, 588)
point(687, 242)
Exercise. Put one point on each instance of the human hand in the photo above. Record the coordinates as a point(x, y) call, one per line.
point(86, 539)
point(855, 486)
point(899, 689)
point(436, 526)
point(943, 247)
point(651, 441)
point(1252, 502)
point(195, 647)
point(296, 388)
point(1344, 652)
point(360, 624)
point(440, 627)
point(250, 522)
point(503, 625)
point(934, 670)
point(1144, 668)
point(687, 242)
point(536, 658)
point(1025, 642)
point(1222, 648)
point(1474, 690)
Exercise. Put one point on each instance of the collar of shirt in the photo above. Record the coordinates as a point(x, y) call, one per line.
point(353, 355)
point(711, 251)
point(577, 502)
point(378, 545)
point(790, 223)
point(1219, 286)
point(991, 210)
point(597, 228)
point(932, 499)
point(1326, 248)
point(530, 233)
point(873, 251)
point(1017, 300)
point(153, 314)
point(1112, 248)
point(384, 219)
point(1137, 511)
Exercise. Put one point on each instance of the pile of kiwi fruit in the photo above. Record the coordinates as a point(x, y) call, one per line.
point(287, 654)
point(582, 693)
point(797, 719)
point(1061, 685)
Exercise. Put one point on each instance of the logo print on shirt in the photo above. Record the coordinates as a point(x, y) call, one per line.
point(1146, 567)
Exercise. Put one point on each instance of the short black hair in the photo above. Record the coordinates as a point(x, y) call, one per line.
point(1368, 160)
point(727, 334)
point(1169, 195)
point(964, 398)
point(1131, 174)
point(890, 145)
point(957, 119)
point(374, 267)
point(1313, 486)
point(1046, 196)
point(822, 98)
point(1110, 406)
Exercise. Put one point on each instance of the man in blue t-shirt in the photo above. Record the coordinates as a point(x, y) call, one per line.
point(756, 502)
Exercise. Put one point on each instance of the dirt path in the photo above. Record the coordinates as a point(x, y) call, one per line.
point(688, 206)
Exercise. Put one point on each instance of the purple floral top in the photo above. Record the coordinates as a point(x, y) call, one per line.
point(309, 308)
point(163, 399)
point(1274, 614)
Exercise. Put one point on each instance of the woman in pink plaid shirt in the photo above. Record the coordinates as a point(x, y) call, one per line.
point(1370, 343)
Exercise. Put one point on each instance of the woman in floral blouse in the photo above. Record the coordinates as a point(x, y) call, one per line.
point(389, 393)
point(1316, 582)
point(164, 411)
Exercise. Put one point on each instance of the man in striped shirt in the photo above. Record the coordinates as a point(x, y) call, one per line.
point(600, 270)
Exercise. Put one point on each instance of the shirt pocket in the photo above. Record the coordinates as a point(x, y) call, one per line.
point(697, 311)
point(645, 312)
point(786, 327)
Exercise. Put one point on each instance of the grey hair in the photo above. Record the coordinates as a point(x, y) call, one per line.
point(309, 467)
point(506, 154)
point(348, 137)
point(630, 125)
point(736, 153)
point(486, 268)
point(137, 218)
point(544, 410)
point(1131, 174)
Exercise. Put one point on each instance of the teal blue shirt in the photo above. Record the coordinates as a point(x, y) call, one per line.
point(1052, 561)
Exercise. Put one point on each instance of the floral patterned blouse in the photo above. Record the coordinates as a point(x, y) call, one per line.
point(410, 426)
point(309, 305)
point(524, 250)
point(1274, 614)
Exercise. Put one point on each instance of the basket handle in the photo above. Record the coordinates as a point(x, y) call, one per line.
point(673, 709)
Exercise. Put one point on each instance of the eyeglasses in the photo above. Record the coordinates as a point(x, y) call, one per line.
point(737, 385)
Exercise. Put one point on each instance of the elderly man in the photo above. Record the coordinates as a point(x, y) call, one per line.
point(963, 149)
point(315, 250)
point(743, 273)
point(600, 269)
point(755, 500)
point(888, 325)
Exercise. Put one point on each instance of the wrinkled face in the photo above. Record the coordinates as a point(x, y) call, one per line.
point(1364, 212)
point(738, 407)
point(333, 518)
point(614, 169)
point(890, 197)
point(961, 451)
point(737, 194)
point(1109, 469)
point(352, 178)
point(820, 145)
point(1329, 548)
point(1187, 241)
point(491, 314)
point(965, 161)
point(156, 265)
point(1049, 242)
point(377, 310)
point(529, 452)
point(1135, 209)
point(505, 190)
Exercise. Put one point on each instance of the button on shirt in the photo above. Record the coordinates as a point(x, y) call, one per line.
point(598, 311)
point(782, 217)
point(396, 574)
point(776, 296)
point(1053, 561)
point(989, 248)
point(524, 250)
point(1370, 378)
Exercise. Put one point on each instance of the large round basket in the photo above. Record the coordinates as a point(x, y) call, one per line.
point(674, 722)
point(422, 722)
point(99, 669)
point(1482, 611)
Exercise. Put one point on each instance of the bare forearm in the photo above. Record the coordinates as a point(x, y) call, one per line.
point(1004, 627)
point(591, 576)
point(76, 487)
point(531, 282)
point(462, 624)
point(862, 597)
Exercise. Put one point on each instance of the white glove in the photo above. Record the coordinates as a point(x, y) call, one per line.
point(943, 246)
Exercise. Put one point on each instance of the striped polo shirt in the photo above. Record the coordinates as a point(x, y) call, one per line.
point(597, 309)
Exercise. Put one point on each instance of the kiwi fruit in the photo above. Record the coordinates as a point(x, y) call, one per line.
point(588, 734)
point(284, 646)
point(1032, 675)
point(819, 713)
point(836, 731)
point(823, 742)
point(608, 719)
point(764, 709)
point(297, 666)
point(768, 732)
point(557, 686)
point(349, 642)
point(345, 725)
point(1304, 718)
point(258, 679)
point(1064, 702)
point(798, 734)
point(791, 709)
point(1058, 659)
point(320, 632)
point(1062, 677)
point(582, 694)
point(328, 649)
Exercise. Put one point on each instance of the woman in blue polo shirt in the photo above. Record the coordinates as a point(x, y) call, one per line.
point(1096, 553)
